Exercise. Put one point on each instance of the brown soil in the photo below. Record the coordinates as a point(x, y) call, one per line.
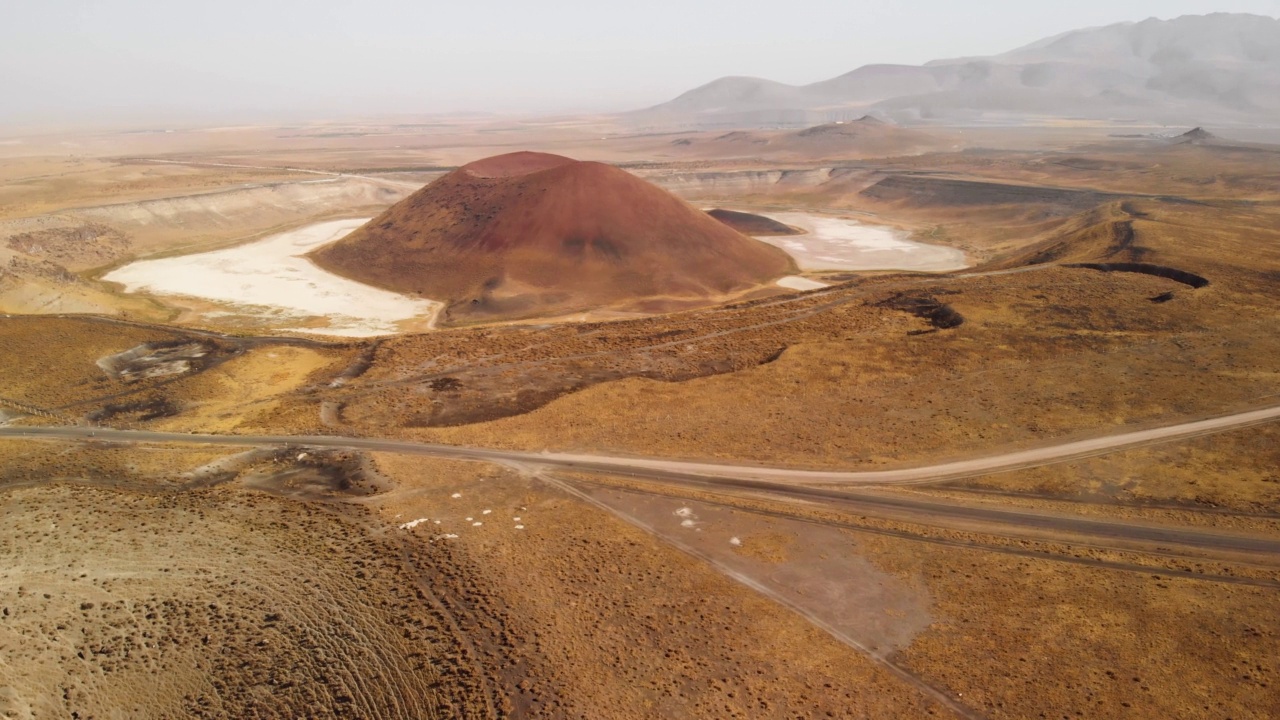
point(1229, 471)
point(284, 581)
point(604, 620)
point(78, 369)
point(1059, 625)
point(282, 584)
point(90, 244)
point(861, 386)
point(218, 604)
point(1087, 639)
point(529, 234)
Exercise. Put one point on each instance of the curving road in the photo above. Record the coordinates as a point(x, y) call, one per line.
point(841, 486)
point(1034, 457)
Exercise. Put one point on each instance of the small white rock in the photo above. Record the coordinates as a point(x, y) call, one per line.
point(519, 527)
point(735, 542)
point(455, 496)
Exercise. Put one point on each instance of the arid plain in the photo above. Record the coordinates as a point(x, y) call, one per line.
point(479, 517)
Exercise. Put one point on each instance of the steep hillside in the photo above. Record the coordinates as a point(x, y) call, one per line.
point(531, 234)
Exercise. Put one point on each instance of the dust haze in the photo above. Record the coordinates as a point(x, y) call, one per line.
point(419, 362)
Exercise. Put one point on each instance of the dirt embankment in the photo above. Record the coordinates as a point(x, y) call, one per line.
point(501, 372)
point(46, 260)
point(74, 246)
point(926, 191)
point(1182, 276)
point(294, 582)
point(220, 604)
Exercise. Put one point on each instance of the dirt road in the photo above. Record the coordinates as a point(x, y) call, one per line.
point(676, 469)
point(799, 482)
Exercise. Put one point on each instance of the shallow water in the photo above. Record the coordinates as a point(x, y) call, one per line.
point(832, 243)
point(269, 282)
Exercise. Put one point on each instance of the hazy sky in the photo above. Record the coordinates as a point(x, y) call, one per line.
point(155, 60)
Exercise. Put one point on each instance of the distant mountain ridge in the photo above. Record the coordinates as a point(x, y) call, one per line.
point(1221, 68)
point(843, 139)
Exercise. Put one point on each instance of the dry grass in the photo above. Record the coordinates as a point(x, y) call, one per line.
point(881, 395)
point(243, 393)
point(580, 613)
point(1234, 470)
point(216, 604)
point(233, 385)
point(1020, 637)
point(607, 621)
point(50, 362)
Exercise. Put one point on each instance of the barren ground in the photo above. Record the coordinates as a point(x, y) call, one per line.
point(182, 581)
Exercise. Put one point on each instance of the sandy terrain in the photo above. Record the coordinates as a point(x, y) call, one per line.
point(832, 243)
point(133, 599)
point(411, 588)
point(567, 596)
point(272, 280)
point(577, 584)
point(161, 580)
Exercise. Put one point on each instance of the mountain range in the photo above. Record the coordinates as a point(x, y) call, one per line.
point(1220, 69)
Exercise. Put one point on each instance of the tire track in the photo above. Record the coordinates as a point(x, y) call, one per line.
point(879, 658)
point(962, 544)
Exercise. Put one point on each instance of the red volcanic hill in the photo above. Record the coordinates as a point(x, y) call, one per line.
point(531, 234)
